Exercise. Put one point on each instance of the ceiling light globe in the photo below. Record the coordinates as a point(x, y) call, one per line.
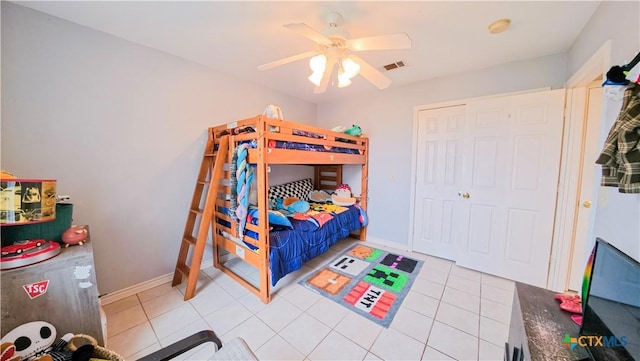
point(318, 63)
point(316, 77)
point(351, 68)
point(343, 80)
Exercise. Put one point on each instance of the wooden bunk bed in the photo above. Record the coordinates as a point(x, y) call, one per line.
point(266, 142)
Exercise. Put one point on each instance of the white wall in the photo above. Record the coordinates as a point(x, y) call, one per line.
point(387, 118)
point(121, 127)
point(617, 217)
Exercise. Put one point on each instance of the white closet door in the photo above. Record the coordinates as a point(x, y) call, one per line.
point(439, 173)
point(509, 184)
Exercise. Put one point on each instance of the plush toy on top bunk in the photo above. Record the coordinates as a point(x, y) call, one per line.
point(273, 111)
point(342, 196)
point(355, 130)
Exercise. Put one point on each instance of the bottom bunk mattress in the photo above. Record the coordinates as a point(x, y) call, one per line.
point(292, 248)
point(302, 237)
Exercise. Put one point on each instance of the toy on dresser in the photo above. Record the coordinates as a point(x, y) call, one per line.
point(27, 252)
point(75, 235)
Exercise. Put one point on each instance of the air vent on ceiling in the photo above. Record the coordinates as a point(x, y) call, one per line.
point(398, 64)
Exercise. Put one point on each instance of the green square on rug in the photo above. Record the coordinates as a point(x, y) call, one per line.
point(366, 280)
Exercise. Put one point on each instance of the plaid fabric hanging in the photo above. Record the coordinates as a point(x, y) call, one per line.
point(620, 157)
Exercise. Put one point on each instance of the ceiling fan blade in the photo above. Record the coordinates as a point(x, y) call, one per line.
point(380, 42)
point(371, 74)
point(290, 59)
point(326, 77)
point(308, 32)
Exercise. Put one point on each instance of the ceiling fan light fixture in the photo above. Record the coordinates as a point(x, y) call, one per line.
point(350, 67)
point(331, 47)
point(343, 80)
point(318, 63)
point(316, 77)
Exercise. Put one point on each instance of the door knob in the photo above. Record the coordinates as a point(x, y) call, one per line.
point(587, 204)
point(464, 195)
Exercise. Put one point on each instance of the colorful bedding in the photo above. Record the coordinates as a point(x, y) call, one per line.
point(290, 249)
point(312, 234)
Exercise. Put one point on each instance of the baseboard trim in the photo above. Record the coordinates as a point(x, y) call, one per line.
point(155, 282)
point(384, 242)
point(143, 286)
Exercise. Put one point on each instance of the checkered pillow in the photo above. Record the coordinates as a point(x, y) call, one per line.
point(299, 189)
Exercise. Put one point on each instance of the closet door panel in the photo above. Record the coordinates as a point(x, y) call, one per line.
point(439, 172)
point(511, 185)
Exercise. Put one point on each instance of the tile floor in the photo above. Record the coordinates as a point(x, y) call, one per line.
point(451, 313)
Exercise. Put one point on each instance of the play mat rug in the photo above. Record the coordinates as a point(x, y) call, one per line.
point(366, 280)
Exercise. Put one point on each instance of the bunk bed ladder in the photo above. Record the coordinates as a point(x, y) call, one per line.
point(200, 217)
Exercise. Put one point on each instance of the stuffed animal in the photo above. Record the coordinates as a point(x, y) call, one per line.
point(36, 341)
point(30, 340)
point(342, 196)
point(8, 352)
point(293, 205)
point(86, 348)
point(273, 111)
point(355, 130)
point(319, 196)
point(299, 206)
point(74, 235)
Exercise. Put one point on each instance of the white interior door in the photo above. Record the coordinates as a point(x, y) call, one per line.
point(440, 139)
point(583, 233)
point(509, 185)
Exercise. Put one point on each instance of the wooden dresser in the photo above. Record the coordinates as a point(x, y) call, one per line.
point(70, 302)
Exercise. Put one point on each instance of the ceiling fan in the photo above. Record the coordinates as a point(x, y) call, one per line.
point(334, 49)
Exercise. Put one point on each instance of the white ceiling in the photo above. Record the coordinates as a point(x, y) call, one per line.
point(234, 37)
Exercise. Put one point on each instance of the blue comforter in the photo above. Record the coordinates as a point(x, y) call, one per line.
point(290, 249)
